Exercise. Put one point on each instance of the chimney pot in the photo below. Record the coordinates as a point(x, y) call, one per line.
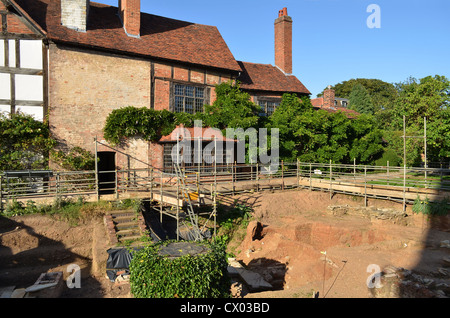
point(282, 12)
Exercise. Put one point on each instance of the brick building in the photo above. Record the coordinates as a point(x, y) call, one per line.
point(331, 103)
point(83, 59)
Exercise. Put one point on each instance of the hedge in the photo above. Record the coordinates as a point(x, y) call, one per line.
point(154, 274)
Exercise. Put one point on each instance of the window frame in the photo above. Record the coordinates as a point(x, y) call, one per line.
point(265, 101)
point(175, 97)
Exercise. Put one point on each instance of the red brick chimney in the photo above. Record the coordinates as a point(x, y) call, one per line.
point(130, 13)
point(283, 42)
point(328, 97)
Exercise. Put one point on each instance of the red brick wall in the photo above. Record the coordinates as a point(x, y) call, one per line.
point(86, 86)
point(14, 24)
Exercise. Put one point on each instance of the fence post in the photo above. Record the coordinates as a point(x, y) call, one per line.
point(233, 176)
point(96, 171)
point(365, 186)
point(57, 185)
point(331, 181)
point(117, 185)
point(310, 180)
point(282, 174)
point(161, 201)
point(298, 173)
point(388, 172)
point(151, 184)
point(1, 193)
point(178, 208)
point(257, 177)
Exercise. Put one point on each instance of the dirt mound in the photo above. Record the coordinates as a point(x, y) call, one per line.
point(36, 244)
point(334, 254)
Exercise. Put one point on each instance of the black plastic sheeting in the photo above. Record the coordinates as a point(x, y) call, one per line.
point(119, 260)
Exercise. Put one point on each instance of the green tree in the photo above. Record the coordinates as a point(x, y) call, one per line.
point(417, 99)
point(320, 136)
point(360, 100)
point(231, 109)
point(382, 93)
point(366, 140)
point(427, 97)
point(24, 142)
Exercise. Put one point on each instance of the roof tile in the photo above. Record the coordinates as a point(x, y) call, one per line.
point(160, 37)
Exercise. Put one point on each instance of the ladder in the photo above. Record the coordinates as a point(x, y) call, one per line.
point(181, 179)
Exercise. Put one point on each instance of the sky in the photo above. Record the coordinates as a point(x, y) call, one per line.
point(332, 39)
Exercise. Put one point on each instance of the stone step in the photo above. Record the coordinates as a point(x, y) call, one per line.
point(130, 238)
point(122, 220)
point(127, 225)
point(128, 232)
point(120, 213)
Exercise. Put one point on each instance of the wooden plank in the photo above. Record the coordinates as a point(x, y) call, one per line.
point(167, 198)
point(6, 292)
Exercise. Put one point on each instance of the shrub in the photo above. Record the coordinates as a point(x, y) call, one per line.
point(431, 208)
point(154, 275)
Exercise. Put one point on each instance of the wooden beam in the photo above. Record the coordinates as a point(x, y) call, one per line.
point(13, 36)
point(17, 44)
point(13, 93)
point(22, 102)
point(22, 71)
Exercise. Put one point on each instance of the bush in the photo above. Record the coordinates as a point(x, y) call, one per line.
point(431, 208)
point(154, 275)
point(391, 156)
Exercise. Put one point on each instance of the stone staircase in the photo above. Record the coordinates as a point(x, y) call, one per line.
point(124, 225)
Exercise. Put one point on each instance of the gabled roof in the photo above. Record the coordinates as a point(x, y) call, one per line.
point(160, 38)
point(266, 77)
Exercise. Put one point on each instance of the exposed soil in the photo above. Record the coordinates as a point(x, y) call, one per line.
point(297, 230)
point(36, 244)
point(296, 227)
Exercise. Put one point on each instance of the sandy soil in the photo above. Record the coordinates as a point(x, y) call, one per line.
point(296, 228)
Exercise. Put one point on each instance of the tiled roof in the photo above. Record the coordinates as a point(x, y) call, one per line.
point(160, 38)
point(266, 77)
point(205, 134)
point(317, 102)
point(350, 113)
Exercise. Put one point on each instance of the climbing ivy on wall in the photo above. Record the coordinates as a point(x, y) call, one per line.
point(149, 124)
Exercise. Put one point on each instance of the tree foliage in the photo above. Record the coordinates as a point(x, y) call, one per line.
point(418, 98)
point(361, 101)
point(24, 142)
point(382, 93)
point(155, 275)
point(231, 109)
point(319, 136)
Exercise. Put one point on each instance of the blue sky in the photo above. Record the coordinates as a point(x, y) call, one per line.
point(331, 40)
